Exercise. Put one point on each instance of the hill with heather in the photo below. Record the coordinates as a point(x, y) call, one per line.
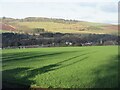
point(41, 24)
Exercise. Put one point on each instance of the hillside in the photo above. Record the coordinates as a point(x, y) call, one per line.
point(57, 25)
point(7, 27)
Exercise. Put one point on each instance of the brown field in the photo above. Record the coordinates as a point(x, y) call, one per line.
point(7, 27)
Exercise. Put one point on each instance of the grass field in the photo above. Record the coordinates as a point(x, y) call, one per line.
point(96, 28)
point(61, 67)
point(29, 24)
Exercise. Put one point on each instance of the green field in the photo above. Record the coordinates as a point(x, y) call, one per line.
point(61, 67)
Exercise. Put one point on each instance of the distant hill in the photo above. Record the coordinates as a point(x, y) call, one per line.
point(30, 24)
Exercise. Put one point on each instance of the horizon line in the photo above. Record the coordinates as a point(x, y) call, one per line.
point(59, 19)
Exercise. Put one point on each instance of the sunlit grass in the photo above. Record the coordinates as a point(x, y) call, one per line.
point(62, 67)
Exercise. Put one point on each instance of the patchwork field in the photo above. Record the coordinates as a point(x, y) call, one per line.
point(79, 27)
point(61, 67)
point(28, 25)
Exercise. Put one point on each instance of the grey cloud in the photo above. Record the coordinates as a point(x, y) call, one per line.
point(87, 4)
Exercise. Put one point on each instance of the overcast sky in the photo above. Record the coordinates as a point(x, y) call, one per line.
point(103, 11)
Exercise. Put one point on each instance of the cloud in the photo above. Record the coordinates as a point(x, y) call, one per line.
point(104, 12)
point(87, 4)
point(59, 1)
point(109, 7)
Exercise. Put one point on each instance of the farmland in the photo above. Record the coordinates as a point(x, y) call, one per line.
point(79, 27)
point(61, 67)
point(57, 25)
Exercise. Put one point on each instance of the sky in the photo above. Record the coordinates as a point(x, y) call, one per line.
point(102, 11)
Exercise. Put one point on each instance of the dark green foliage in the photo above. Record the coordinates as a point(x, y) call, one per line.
point(56, 39)
point(38, 30)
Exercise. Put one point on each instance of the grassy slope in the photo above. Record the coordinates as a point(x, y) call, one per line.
point(63, 26)
point(69, 28)
point(71, 67)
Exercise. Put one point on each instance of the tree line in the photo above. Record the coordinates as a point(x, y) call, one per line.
point(49, 39)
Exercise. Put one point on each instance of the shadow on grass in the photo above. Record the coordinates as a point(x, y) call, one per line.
point(8, 56)
point(9, 78)
point(26, 56)
point(18, 54)
point(106, 76)
point(14, 77)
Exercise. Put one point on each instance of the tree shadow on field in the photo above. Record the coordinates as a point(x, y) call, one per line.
point(106, 76)
point(19, 54)
point(12, 78)
point(9, 78)
point(10, 55)
point(29, 55)
point(22, 77)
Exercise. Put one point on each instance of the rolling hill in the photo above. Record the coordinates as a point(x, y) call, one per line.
point(29, 24)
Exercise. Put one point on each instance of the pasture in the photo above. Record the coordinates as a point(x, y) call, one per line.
point(61, 67)
point(79, 27)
